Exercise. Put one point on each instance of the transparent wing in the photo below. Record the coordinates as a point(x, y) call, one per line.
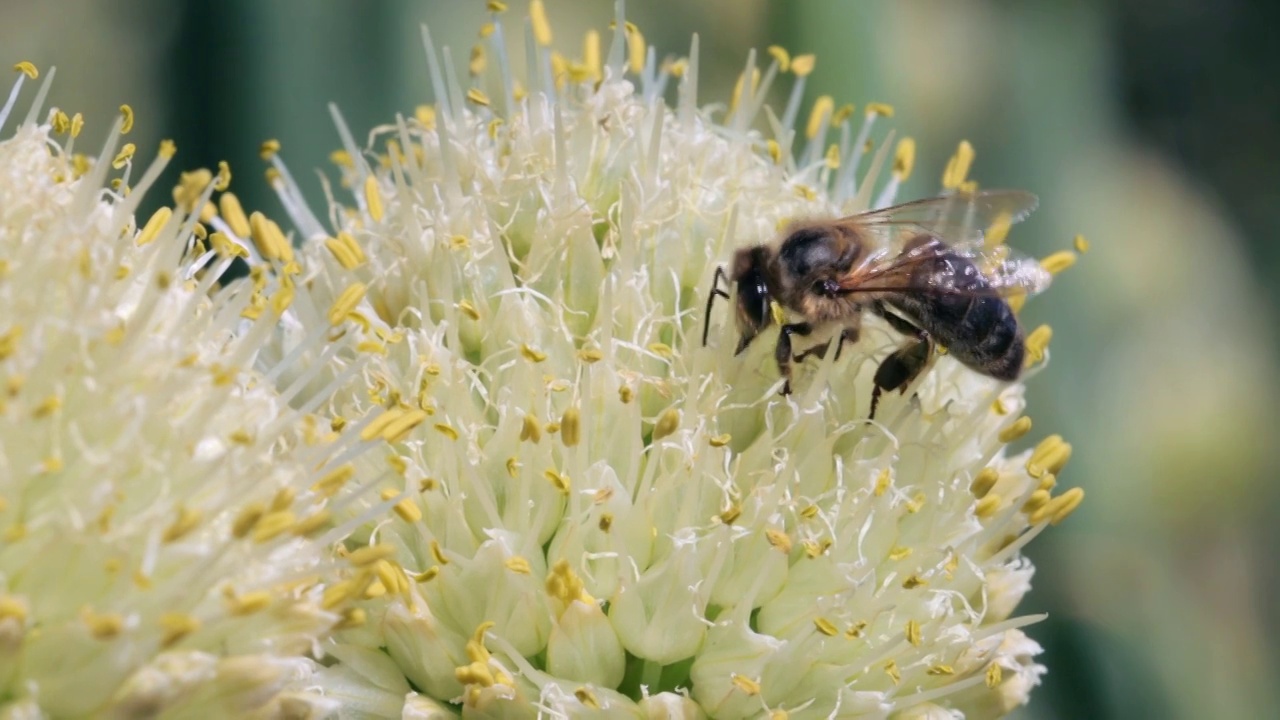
point(961, 221)
point(932, 267)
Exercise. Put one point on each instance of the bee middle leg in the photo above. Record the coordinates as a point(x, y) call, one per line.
point(904, 364)
point(782, 353)
point(849, 335)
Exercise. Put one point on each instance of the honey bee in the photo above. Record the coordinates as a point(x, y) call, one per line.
point(923, 266)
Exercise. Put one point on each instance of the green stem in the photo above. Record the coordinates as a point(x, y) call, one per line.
point(651, 675)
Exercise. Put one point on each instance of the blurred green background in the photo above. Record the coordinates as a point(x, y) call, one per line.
point(1151, 127)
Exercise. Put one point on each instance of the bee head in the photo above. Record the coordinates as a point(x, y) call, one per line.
point(750, 273)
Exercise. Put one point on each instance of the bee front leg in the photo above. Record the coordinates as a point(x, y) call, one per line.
point(711, 299)
point(782, 353)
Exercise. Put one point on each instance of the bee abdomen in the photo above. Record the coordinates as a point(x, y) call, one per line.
point(990, 340)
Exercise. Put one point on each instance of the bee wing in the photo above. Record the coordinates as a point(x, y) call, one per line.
point(961, 221)
point(933, 267)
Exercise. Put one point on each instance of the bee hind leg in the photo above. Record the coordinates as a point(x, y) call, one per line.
point(904, 364)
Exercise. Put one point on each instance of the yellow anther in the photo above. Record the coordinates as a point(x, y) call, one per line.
point(338, 593)
point(802, 65)
point(468, 309)
point(346, 302)
point(941, 670)
point(427, 575)
point(913, 632)
point(832, 158)
point(899, 553)
point(345, 250)
point(729, 515)
point(987, 506)
point(233, 214)
point(167, 149)
point(606, 522)
point(883, 481)
point(667, 424)
point(957, 170)
point(778, 539)
point(1050, 456)
point(1080, 244)
point(478, 97)
point(1020, 427)
point(189, 188)
point(822, 109)
point(531, 430)
point(1036, 343)
point(102, 627)
point(1059, 261)
point(571, 427)
point(517, 564)
point(842, 114)
point(1035, 501)
point(127, 113)
point(370, 554)
point(998, 230)
point(175, 626)
point(881, 109)
point(9, 344)
point(407, 509)
point(967, 188)
point(1048, 482)
point(60, 123)
point(781, 55)
point(77, 124)
point(224, 247)
point(678, 68)
point(313, 522)
point(994, 675)
point(1065, 504)
point(775, 151)
point(28, 69)
point(247, 519)
point(720, 440)
point(739, 86)
point(538, 20)
point(248, 603)
point(625, 394)
point(373, 197)
point(122, 158)
point(891, 669)
point(591, 55)
point(157, 221)
point(661, 349)
point(560, 481)
point(495, 6)
point(904, 158)
point(272, 525)
point(635, 49)
point(983, 483)
point(444, 429)
point(47, 407)
point(855, 630)
point(745, 684)
point(187, 519)
point(913, 581)
point(12, 607)
point(532, 354)
point(590, 355)
point(810, 512)
point(478, 61)
point(223, 180)
point(268, 238)
point(268, 149)
point(826, 627)
point(775, 309)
